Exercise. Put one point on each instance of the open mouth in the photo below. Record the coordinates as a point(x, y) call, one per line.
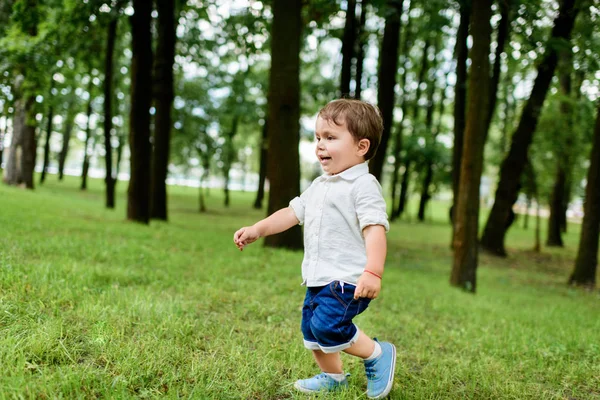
point(324, 159)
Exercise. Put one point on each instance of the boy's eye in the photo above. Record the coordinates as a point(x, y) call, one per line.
point(330, 138)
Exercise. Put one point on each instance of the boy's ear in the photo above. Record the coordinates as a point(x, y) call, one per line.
point(363, 147)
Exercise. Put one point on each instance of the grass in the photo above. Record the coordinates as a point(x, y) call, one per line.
point(92, 306)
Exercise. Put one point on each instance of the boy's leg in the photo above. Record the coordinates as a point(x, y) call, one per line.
point(363, 347)
point(330, 363)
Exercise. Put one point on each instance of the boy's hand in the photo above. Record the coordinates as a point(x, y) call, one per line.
point(368, 286)
point(245, 236)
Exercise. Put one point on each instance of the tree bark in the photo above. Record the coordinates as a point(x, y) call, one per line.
point(386, 80)
point(362, 39)
point(12, 173)
point(164, 93)
point(584, 273)
point(283, 171)
point(467, 207)
point(86, 147)
point(62, 156)
point(229, 154)
point(2, 135)
point(109, 180)
point(425, 195)
point(513, 164)
point(29, 146)
point(138, 193)
point(348, 45)
point(47, 145)
point(262, 170)
point(461, 54)
point(21, 158)
point(398, 135)
point(503, 33)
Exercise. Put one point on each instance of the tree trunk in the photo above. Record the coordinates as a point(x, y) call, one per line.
point(86, 147)
point(109, 180)
point(461, 53)
point(262, 170)
point(467, 207)
point(406, 46)
point(386, 80)
point(556, 207)
point(513, 164)
point(586, 263)
point(138, 193)
point(2, 134)
point(425, 195)
point(362, 40)
point(283, 171)
point(62, 156)
point(203, 179)
point(416, 108)
point(165, 58)
point(47, 145)
point(348, 45)
point(12, 173)
point(503, 30)
point(229, 153)
point(29, 146)
point(119, 156)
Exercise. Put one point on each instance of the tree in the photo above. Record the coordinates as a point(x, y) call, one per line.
point(109, 179)
point(138, 201)
point(163, 91)
point(467, 207)
point(386, 79)
point(283, 171)
point(514, 163)
point(461, 53)
point(584, 273)
point(348, 46)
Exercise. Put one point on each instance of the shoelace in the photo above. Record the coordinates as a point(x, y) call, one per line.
point(370, 371)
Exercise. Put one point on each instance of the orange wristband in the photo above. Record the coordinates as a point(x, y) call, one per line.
point(373, 273)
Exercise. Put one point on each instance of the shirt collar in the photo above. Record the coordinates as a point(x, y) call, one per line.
point(351, 173)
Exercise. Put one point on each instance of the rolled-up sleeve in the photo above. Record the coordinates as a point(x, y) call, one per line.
point(298, 204)
point(369, 203)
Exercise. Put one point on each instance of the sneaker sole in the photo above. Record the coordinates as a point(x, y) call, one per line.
point(309, 391)
point(390, 383)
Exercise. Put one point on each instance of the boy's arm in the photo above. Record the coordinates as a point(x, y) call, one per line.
point(277, 222)
point(369, 283)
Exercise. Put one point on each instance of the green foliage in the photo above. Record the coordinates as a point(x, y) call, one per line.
point(92, 306)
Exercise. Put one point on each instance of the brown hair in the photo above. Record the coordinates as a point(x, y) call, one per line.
point(363, 120)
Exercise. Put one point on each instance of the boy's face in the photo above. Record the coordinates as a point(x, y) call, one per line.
point(336, 148)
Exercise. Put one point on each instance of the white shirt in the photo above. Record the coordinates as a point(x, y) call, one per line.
point(334, 211)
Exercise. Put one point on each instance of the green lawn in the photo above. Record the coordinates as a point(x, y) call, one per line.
point(94, 306)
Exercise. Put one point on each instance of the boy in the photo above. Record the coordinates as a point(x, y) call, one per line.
point(345, 222)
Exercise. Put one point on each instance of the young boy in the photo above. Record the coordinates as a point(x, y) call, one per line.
point(345, 222)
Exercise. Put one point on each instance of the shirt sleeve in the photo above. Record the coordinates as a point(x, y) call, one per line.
point(369, 203)
point(298, 204)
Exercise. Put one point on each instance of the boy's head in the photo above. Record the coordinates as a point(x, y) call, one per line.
point(360, 118)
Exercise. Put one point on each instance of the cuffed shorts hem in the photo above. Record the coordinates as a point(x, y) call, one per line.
point(331, 349)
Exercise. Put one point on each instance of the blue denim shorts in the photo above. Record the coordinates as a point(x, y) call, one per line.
point(327, 317)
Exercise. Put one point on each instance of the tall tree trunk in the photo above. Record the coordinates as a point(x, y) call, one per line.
point(262, 170)
point(283, 171)
point(138, 193)
point(165, 58)
point(120, 146)
point(203, 179)
point(47, 145)
point(229, 153)
point(467, 207)
point(12, 173)
point(109, 180)
point(348, 45)
point(362, 39)
point(503, 31)
point(62, 156)
point(415, 118)
point(513, 164)
point(584, 273)
point(461, 54)
point(86, 147)
point(425, 195)
point(398, 135)
point(563, 155)
point(29, 146)
point(386, 80)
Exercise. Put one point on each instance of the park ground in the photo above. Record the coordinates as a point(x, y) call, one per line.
point(93, 306)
